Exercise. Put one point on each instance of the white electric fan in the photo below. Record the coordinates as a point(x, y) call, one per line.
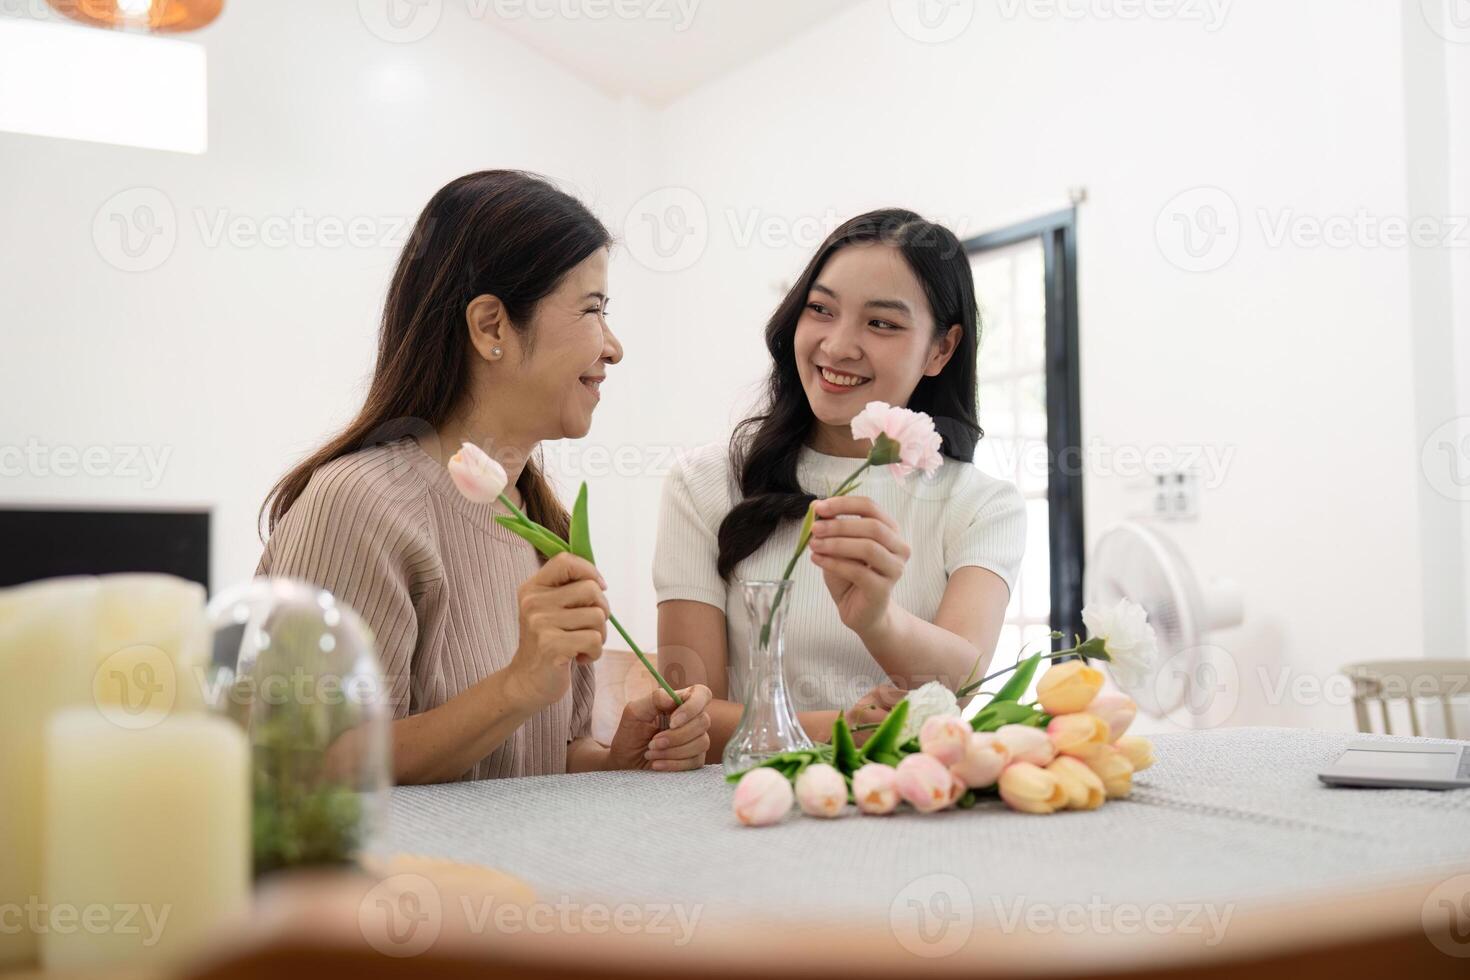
point(1134, 560)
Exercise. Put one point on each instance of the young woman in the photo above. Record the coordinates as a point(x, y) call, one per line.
point(911, 583)
point(495, 332)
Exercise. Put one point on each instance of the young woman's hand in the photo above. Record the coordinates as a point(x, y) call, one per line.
point(563, 620)
point(640, 744)
point(861, 556)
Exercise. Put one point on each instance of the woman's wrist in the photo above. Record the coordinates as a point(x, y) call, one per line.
point(884, 632)
point(511, 691)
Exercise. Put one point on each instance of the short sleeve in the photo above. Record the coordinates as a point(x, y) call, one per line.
point(987, 528)
point(686, 554)
point(369, 553)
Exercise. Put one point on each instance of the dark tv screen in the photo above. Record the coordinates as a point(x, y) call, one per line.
point(40, 543)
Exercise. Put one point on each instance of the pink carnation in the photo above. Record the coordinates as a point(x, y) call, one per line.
point(918, 443)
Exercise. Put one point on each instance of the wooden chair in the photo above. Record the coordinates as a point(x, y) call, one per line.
point(1408, 681)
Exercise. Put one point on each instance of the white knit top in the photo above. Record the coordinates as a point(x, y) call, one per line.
point(958, 517)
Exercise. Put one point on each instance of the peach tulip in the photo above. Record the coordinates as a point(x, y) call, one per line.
point(479, 477)
point(1031, 789)
point(1116, 710)
point(985, 756)
point(874, 787)
point(945, 737)
point(925, 783)
point(1077, 734)
point(1068, 687)
point(1085, 790)
point(763, 796)
point(1114, 769)
point(821, 791)
point(1027, 744)
point(1138, 750)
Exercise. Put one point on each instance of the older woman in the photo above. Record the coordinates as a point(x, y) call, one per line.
point(495, 332)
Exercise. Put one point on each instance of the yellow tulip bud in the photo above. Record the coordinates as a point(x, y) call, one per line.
point(1084, 789)
point(1138, 750)
point(1077, 734)
point(1114, 769)
point(1068, 687)
point(1031, 789)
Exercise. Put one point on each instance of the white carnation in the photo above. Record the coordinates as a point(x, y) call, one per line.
point(932, 700)
point(1128, 638)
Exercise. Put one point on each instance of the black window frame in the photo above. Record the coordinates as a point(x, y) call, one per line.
point(1058, 234)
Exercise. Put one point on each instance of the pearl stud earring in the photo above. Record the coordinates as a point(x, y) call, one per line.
point(495, 352)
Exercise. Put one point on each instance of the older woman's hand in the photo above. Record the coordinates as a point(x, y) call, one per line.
point(640, 742)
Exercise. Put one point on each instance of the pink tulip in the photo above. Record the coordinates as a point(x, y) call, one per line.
point(479, 477)
point(945, 737)
point(1084, 789)
point(1068, 687)
point(1027, 744)
point(875, 789)
point(821, 791)
point(985, 756)
point(1077, 734)
point(763, 796)
point(925, 783)
point(918, 443)
point(1031, 789)
point(1138, 750)
point(1116, 710)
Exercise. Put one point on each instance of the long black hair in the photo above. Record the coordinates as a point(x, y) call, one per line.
point(504, 232)
point(764, 447)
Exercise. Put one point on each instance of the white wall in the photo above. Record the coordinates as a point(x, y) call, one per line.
point(1298, 362)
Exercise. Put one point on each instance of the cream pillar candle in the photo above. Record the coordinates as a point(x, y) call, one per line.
point(48, 639)
point(130, 644)
point(147, 841)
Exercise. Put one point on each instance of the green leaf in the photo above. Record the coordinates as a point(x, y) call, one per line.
point(541, 539)
point(845, 754)
point(806, 527)
point(1020, 680)
point(885, 450)
point(885, 739)
point(580, 535)
point(998, 713)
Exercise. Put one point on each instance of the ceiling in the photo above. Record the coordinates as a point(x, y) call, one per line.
point(671, 49)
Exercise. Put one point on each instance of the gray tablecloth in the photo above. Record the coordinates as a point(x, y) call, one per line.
point(1224, 816)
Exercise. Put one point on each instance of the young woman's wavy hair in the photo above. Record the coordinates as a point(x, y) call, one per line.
point(504, 232)
point(764, 447)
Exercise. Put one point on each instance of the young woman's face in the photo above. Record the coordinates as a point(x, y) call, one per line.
point(571, 346)
point(867, 334)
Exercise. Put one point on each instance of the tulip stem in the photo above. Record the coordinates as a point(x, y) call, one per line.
point(678, 701)
point(972, 688)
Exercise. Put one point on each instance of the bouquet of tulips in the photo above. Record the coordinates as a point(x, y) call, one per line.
point(1066, 750)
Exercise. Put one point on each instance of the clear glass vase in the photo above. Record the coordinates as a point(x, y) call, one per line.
point(769, 724)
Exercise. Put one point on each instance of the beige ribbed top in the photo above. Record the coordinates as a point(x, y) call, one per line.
point(385, 531)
